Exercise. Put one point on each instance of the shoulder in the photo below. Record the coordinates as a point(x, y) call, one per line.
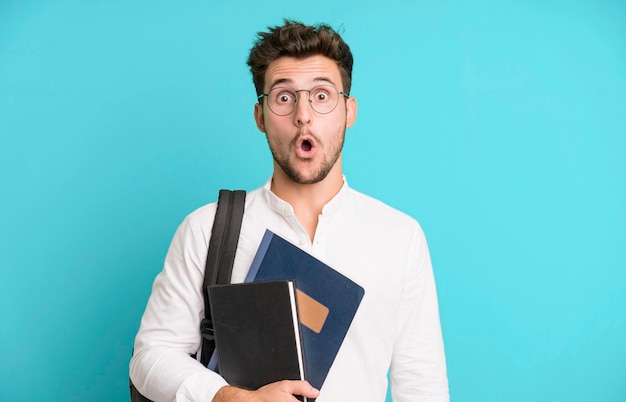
point(375, 221)
point(201, 219)
point(373, 208)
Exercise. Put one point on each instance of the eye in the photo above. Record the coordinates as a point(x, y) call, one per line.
point(284, 97)
point(321, 95)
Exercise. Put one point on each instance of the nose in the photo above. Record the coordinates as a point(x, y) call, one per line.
point(302, 114)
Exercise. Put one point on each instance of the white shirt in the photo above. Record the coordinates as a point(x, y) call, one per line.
point(381, 249)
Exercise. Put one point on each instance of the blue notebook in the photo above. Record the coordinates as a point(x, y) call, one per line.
point(327, 300)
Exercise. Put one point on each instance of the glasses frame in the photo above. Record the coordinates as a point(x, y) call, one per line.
point(297, 93)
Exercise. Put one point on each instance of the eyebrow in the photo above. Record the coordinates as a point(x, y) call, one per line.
point(289, 81)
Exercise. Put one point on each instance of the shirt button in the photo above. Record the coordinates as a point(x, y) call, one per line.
point(286, 209)
point(302, 242)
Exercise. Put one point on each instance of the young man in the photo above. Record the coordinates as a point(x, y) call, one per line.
point(302, 76)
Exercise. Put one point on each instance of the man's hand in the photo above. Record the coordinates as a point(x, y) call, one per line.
point(281, 391)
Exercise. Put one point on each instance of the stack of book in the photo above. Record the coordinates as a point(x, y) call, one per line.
point(287, 322)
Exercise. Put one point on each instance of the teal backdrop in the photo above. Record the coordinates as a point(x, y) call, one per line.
point(499, 125)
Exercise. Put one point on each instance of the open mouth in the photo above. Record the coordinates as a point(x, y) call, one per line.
point(306, 145)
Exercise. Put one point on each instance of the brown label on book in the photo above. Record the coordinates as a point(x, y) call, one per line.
point(312, 313)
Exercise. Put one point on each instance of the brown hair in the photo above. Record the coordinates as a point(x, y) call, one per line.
point(294, 39)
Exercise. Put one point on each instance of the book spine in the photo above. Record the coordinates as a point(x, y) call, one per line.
point(258, 258)
point(296, 329)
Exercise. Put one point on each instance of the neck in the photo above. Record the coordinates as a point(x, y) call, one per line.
point(307, 200)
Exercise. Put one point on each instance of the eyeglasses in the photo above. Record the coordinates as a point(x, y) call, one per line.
point(282, 101)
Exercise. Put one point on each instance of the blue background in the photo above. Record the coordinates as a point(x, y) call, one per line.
point(500, 126)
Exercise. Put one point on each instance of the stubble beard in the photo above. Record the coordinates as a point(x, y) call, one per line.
point(297, 176)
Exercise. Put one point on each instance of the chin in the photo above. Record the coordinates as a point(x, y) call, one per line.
point(308, 172)
point(306, 178)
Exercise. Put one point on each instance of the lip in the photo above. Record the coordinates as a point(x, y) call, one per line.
point(303, 150)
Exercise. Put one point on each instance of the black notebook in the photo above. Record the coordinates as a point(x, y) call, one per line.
point(257, 333)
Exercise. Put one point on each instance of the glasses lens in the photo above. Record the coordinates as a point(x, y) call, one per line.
point(281, 101)
point(324, 99)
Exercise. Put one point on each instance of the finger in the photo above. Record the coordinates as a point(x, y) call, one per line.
point(302, 388)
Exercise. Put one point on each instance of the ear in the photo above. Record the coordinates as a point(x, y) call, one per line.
point(258, 117)
point(351, 109)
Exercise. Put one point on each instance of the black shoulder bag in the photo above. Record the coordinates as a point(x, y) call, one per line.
point(219, 266)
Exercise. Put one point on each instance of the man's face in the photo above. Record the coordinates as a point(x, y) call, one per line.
point(306, 145)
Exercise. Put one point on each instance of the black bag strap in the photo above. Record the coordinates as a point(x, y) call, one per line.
point(219, 265)
point(220, 258)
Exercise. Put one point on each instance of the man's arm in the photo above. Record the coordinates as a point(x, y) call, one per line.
point(161, 367)
point(418, 368)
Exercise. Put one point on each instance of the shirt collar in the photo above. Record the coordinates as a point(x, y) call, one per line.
point(284, 208)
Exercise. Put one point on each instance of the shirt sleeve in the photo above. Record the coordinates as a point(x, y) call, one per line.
point(418, 367)
point(161, 367)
